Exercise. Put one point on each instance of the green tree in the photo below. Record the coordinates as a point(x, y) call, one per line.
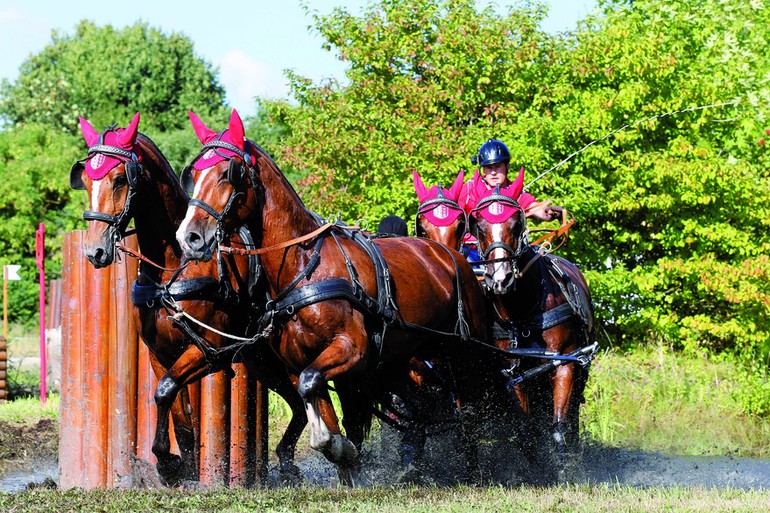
point(107, 74)
point(33, 190)
point(428, 82)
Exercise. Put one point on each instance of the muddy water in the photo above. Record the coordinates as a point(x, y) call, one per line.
point(443, 466)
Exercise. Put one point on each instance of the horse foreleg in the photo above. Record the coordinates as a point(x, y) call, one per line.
point(525, 437)
point(285, 449)
point(172, 468)
point(341, 356)
point(565, 442)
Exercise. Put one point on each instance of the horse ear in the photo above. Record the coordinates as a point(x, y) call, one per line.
point(518, 185)
point(89, 132)
point(419, 187)
point(127, 138)
point(237, 133)
point(204, 133)
point(457, 187)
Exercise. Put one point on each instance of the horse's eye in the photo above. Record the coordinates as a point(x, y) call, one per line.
point(119, 182)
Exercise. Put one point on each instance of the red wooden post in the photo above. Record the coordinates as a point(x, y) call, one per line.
point(96, 376)
point(124, 345)
point(240, 436)
point(71, 422)
point(261, 431)
point(214, 420)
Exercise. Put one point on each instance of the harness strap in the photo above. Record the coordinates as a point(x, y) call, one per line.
point(193, 288)
point(282, 245)
point(330, 288)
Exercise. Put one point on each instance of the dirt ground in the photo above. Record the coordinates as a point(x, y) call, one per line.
point(21, 446)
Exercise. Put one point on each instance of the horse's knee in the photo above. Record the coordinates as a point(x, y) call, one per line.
point(310, 382)
point(166, 391)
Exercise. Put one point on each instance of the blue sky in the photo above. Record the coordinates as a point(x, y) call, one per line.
point(251, 42)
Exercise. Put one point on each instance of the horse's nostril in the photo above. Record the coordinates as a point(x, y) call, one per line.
point(99, 255)
point(194, 240)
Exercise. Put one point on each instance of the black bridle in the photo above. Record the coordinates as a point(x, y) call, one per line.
point(432, 203)
point(513, 255)
point(133, 171)
point(235, 175)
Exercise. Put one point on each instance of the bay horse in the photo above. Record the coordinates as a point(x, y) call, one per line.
point(536, 301)
point(344, 308)
point(542, 301)
point(127, 177)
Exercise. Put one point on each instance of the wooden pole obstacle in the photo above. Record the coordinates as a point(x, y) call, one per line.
point(107, 413)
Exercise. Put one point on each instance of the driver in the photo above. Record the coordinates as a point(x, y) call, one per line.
point(494, 158)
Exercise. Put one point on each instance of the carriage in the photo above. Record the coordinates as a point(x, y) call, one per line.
point(333, 303)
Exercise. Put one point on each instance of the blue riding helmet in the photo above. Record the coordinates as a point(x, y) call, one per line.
point(491, 152)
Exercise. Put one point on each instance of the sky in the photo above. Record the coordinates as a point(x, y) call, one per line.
point(251, 41)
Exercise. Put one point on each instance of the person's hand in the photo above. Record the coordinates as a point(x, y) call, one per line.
point(544, 211)
point(555, 212)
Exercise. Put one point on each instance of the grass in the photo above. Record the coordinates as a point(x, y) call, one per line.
point(648, 399)
point(30, 410)
point(582, 498)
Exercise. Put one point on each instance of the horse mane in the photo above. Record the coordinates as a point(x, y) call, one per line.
point(149, 147)
point(277, 171)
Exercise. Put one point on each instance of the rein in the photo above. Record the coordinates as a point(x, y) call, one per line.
point(143, 258)
point(281, 245)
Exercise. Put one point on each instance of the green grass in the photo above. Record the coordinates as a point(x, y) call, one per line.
point(578, 499)
point(655, 400)
point(30, 410)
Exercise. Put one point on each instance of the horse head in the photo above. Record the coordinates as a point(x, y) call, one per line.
point(222, 183)
point(439, 216)
point(500, 225)
point(111, 174)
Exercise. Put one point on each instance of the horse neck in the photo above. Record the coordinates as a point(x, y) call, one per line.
point(529, 293)
point(282, 217)
point(162, 204)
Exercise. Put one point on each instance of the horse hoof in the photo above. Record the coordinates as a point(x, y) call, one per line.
point(290, 475)
point(170, 470)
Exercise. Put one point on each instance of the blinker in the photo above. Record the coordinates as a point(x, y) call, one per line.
point(76, 176)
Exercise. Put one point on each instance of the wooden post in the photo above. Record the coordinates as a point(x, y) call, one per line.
point(214, 433)
point(241, 465)
point(71, 407)
point(124, 346)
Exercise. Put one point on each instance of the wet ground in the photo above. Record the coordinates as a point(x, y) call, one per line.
point(444, 466)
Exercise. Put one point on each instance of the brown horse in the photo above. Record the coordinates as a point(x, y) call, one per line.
point(344, 308)
point(439, 216)
point(541, 301)
point(127, 177)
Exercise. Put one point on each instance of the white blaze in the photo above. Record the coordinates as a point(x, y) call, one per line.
point(501, 269)
point(95, 185)
point(191, 210)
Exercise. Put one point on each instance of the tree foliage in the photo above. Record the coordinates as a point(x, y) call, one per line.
point(33, 190)
point(672, 210)
point(107, 74)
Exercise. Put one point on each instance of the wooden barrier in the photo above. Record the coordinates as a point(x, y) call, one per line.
point(107, 413)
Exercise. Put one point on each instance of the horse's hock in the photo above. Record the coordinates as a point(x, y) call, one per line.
point(107, 419)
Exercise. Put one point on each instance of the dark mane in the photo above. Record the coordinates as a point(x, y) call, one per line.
point(167, 174)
